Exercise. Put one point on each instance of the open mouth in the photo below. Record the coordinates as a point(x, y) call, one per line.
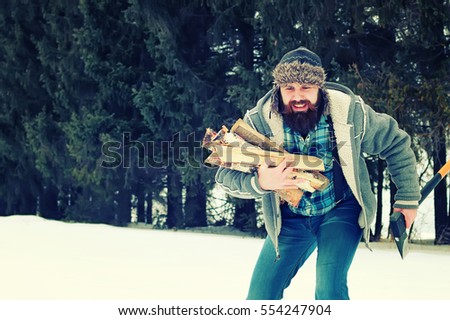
point(300, 106)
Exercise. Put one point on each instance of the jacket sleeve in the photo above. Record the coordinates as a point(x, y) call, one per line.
point(240, 184)
point(384, 137)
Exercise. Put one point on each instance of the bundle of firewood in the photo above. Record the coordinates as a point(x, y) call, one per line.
point(244, 149)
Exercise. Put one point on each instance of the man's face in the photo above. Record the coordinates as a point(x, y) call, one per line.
point(300, 106)
point(299, 97)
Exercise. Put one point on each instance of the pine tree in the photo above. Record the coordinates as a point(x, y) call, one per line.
point(184, 94)
point(21, 98)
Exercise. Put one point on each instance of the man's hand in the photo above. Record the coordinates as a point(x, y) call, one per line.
point(410, 215)
point(276, 178)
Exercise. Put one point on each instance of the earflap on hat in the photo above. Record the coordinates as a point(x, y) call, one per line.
point(275, 99)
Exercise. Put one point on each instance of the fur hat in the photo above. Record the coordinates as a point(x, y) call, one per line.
point(300, 65)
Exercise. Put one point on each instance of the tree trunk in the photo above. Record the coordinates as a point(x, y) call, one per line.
point(441, 218)
point(123, 216)
point(149, 209)
point(26, 203)
point(379, 217)
point(22, 202)
point(2, 208)
point(140, 209)
point(48, 203)
point(245, 215)
point(195, 206)
point(175, 216)
point(246, 47)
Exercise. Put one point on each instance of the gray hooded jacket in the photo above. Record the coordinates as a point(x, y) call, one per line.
point(359, 130)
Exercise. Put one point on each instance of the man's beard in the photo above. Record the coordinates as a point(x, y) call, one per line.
point(302, 122)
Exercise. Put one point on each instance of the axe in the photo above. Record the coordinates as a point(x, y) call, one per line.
point(397, 220)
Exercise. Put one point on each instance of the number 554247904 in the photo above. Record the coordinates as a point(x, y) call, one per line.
point(288, 310)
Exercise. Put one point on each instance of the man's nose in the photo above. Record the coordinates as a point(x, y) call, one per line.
point(298, 95)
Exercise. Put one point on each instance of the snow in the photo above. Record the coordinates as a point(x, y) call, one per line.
point(44, 259)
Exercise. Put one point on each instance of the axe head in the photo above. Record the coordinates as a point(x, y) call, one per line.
point(398, 229)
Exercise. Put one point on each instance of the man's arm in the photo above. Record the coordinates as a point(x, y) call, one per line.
point(239, 184)
point(384, 138)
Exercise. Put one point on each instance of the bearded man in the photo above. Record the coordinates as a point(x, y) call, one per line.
point(309, 116)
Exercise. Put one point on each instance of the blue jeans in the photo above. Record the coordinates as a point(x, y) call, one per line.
point(336, 236)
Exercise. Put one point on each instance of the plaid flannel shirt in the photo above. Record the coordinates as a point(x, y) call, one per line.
point(319, 144)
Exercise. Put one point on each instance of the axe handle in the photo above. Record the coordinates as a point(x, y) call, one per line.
point(430, 185)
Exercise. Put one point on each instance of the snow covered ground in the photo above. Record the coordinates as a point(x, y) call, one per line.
point(43, 259)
